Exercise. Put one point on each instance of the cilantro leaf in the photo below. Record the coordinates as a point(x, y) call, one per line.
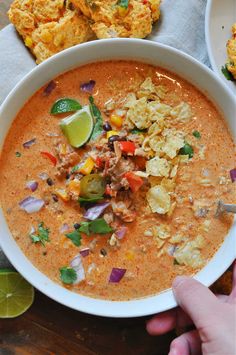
point(228, 75)
point(197, 134)
point(75, 237)
point(98, 226)
point(123, 3)
point(83, 200)
point(42, 235)
point(75, 168)
point(84, 228)
point(98, 129)
point(187, 149)
point(67, 275)
point(18, 154)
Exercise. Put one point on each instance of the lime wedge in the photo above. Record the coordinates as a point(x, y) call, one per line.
point(78, 127)
point(16, 294)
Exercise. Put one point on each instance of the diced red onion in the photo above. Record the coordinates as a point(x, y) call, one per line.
point(28, 144)
point(32, 230)
point(95, 211)
point(43, 176)
point(31, 204)
point(88, 87)
point(116, 274)
point(64, 228)
point(121, 232)
point(84, 252)
point(52, 134)
point(233, 175)
point(77, 265)
point(32, 185)
point(49, 88)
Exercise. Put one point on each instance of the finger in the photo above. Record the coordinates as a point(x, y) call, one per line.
point(186, 344)
point(232, 296)
point(166, 321)
point(195, 299)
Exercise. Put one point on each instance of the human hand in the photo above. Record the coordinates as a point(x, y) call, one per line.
point(213, 316)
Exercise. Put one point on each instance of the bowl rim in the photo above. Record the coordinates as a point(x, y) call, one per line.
point(135, 307)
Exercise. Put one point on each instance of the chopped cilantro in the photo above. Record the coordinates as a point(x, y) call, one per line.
point(18, 154)
point(75, 168)
point(98, 129)
point(83, 200)
point(42, 235)
point(228, 75)
point(123, 3)
point(187, 149)
point(138, 131)
point(84, 228)
point(75, 237)
point(175, 262)
point(98, 226)
point(67, 275)
point(197, 134)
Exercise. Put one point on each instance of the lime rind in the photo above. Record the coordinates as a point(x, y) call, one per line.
point(78, 127)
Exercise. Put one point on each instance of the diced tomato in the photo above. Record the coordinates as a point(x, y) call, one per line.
point(50, 157)
point(109, 191)
point(135, 182)
point(99, 162)
point(127, 147)
point(145, 2)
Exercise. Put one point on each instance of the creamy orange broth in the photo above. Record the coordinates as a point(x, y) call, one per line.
point(148, 272)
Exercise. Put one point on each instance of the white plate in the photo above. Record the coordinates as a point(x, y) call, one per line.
point(220, 16)
point(134, 49)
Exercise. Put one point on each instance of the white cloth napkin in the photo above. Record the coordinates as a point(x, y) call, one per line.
point(181, 26)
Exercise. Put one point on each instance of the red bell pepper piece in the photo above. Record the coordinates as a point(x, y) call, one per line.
point(99, 162)
point(127, 147)
point(50, 157)
point(135, 182)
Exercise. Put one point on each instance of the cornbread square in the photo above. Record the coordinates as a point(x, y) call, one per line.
point(231, 50)
point(48, 27)
point(112, 19)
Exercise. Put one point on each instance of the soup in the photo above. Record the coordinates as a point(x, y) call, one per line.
point(110, 178)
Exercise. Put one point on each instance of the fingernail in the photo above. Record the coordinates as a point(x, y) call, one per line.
point(178, 281)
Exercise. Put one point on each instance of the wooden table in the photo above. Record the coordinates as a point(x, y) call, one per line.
point(49, 328)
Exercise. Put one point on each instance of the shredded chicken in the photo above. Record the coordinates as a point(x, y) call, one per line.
point(120, 210)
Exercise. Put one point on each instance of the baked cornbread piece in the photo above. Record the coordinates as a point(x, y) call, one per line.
point(120, 18)
point(48, 27)
point(231, 50)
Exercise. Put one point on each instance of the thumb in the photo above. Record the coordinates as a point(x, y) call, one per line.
point(195, 299)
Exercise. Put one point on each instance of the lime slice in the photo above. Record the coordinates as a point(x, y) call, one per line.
point(78, 127)
point(16, 294)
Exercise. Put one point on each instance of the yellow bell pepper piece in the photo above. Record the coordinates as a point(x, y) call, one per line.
point(28, 42)
point(112, 133)
point(74, 186)
point(61, 193)
point(87, 167)
point(116, 120)
point(122, 11)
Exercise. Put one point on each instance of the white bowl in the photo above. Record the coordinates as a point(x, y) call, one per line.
point(140, 50)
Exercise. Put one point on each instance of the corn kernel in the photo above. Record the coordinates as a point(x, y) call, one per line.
point(87, 167)
point(122, 11)
point(63, 149)
point(74, 187)
point(112, 133)
point(116, 120)
point(62, 194)
point(130, 255)
point(28, 42)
